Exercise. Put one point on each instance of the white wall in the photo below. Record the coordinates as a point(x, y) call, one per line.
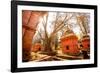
point(5, 37)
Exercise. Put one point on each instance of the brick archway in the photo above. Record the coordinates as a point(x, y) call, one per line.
point(30, 20)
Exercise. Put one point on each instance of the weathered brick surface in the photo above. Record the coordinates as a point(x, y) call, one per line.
point(30, 21)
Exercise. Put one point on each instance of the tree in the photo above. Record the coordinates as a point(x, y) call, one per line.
point(51, 40)
point(83, 22)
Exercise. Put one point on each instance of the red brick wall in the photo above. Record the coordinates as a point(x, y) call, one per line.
point(72, 42)
point(36, 47)
point(29, 20)
point(86, 44)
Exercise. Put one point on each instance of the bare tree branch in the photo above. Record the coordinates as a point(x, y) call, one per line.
point(61, 25)
point(82, 21)
point(39, 33)
point(45, 26)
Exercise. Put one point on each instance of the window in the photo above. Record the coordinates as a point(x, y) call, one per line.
point(88, 45)
point(67, 47)
point(81, 45)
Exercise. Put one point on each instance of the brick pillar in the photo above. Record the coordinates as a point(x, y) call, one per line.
point(30, 20)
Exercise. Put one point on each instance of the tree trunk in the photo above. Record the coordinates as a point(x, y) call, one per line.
point(48, 47)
